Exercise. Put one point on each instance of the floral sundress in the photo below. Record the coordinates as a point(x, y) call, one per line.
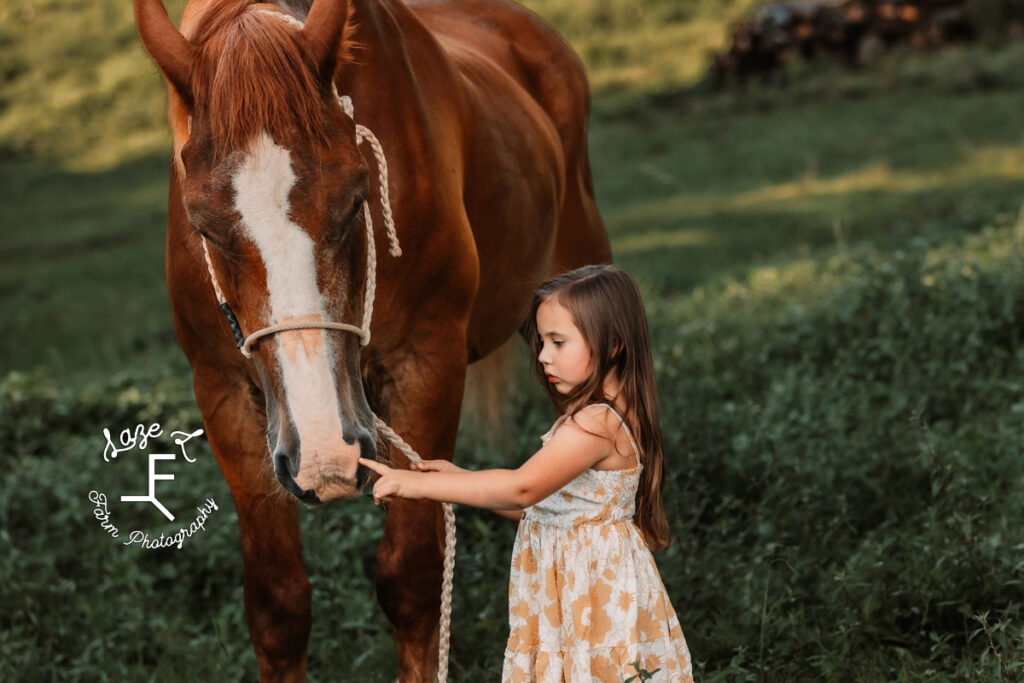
point(585, 596)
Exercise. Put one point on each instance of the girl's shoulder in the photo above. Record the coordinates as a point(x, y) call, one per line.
point(596, 415)
point(601, 419)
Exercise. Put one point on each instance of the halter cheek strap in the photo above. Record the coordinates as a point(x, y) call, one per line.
point(245, 343)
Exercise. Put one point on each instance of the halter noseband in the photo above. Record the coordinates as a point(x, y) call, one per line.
point(245, 343)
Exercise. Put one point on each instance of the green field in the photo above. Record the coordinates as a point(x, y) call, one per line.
point(834, 275)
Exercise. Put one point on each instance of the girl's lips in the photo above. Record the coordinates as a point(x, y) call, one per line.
point(552, 378)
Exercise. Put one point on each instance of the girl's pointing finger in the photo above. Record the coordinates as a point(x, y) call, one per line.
point(377, 467)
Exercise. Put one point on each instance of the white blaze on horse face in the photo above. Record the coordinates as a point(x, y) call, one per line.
point(262, 185)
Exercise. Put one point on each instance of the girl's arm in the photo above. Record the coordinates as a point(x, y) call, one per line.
point(569, 452)
point(513, 515)
point(446, 466)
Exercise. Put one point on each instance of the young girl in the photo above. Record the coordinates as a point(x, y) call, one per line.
point(585, 600)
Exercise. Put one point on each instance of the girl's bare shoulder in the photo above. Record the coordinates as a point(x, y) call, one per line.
point(599, 419)
point(622, 451)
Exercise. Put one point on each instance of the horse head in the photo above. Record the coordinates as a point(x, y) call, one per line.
point(272, 180)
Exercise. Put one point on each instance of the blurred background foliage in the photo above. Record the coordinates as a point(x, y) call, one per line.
point(834, 274)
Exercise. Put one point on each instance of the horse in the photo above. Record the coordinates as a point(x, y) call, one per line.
point(481, 110)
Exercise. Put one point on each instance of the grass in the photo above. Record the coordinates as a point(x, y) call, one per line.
point(79, 90)
point(82, 278)
point(736, 188)
point(833, 273)
point(693, 183)
point(649, 45)
point(843, 431)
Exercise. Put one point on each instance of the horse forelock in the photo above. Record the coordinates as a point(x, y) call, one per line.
point(252, 74)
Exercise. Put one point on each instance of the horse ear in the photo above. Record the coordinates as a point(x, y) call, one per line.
point(165, 44)
point(324, 27)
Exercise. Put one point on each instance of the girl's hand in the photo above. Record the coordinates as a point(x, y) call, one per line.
point(436, 466)
point(391, 484)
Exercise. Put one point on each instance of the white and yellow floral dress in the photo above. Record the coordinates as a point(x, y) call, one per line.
point(585, 597)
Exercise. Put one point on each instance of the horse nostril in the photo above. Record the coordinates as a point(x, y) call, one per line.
point(286, 468)
point(283, 463)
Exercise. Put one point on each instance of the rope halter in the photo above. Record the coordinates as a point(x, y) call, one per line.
point(245, 343)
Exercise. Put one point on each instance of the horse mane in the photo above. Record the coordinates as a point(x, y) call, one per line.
point(251, 73)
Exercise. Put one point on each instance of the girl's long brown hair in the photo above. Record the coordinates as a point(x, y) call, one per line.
point(608, 309)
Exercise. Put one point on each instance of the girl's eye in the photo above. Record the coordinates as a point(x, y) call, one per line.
point(559, 343)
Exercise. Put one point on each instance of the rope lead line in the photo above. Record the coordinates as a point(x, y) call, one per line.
point(448, 573)
point(245, 344)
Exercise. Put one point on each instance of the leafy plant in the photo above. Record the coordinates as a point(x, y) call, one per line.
point(641, 674)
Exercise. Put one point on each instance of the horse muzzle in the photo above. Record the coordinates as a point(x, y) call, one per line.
point(320, 475)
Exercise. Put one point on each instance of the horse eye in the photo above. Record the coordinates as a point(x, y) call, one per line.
point(357, 206)
point(207, 222)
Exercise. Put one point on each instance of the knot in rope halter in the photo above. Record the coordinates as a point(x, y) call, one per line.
point(245, 343)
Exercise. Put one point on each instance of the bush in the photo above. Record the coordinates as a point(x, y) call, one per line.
point(846, 484)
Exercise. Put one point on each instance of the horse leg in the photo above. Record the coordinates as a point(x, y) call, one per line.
point(408, 569)
point(422, 406)
point(278, 600)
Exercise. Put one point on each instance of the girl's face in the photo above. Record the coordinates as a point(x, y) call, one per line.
point(564, 352)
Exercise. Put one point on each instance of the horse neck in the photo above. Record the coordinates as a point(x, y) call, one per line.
point(381, 27)
point(387, 32)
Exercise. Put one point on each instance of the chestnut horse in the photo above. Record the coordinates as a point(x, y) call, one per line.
point(481, 110)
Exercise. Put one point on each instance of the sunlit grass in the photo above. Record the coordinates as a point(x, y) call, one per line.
point(651, 241)
point(83, 94)
point(645, 45)
point(988, 163)
point(650, 57)
point(808, 281)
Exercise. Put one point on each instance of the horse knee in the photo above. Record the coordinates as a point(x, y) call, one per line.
point(409, 581)
point(279, 614)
